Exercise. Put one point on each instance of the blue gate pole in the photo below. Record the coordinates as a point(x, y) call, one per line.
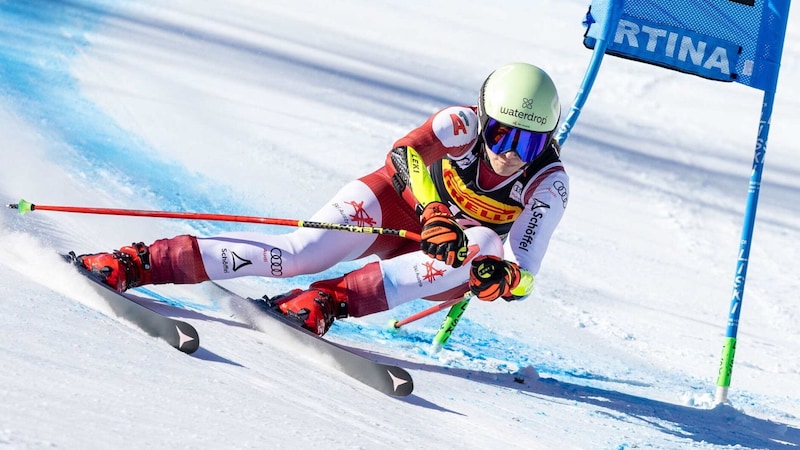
point(610, 17)
point(729, 347)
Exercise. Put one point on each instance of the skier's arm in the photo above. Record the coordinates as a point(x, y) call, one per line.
point(450, 132)
point(530, 235)
point(512, 278)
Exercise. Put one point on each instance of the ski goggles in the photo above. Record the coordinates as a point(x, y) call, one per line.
point(501, 138)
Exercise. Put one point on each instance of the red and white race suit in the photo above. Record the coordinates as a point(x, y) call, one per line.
point(510, 217)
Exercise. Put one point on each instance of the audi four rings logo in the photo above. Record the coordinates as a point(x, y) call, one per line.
point(276, 262)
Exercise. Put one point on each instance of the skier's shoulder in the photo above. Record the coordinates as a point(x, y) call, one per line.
point(455, 126)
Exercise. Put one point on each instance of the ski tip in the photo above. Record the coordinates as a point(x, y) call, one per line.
point(188, 341)
point(402, 384)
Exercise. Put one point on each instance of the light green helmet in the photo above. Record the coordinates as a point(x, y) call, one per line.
point(520, 95)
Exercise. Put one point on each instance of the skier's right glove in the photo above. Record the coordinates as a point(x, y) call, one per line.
point(442, 237)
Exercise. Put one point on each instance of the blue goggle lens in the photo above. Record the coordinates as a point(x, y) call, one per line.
point(501, 138)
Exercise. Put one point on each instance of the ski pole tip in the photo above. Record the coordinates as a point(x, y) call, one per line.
point(23, 206)
point(393, 325)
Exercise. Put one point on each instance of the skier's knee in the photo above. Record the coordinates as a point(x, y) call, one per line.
point(488, 242)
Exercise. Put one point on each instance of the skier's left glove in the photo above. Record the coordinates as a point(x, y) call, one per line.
point(491, 277)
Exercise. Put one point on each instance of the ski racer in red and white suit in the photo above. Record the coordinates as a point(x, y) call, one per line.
point(511, 217)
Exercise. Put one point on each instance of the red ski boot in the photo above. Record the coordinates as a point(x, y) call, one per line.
point(121, 269)
point(317, 307)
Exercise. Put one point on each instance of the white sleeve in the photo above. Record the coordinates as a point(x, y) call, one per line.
point(529, 237)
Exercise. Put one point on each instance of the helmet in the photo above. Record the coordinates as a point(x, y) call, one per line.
point(521, 95)
point(518, 109)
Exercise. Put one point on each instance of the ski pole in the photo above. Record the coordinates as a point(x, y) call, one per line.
point(25, 207)
point(449, 324)
point(395, 324)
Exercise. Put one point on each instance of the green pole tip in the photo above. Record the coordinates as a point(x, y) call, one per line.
point(23, 207)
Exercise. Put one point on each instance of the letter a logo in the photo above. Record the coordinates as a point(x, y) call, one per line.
point(458, 125)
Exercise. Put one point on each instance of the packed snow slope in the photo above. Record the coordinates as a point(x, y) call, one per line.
point(267, 108)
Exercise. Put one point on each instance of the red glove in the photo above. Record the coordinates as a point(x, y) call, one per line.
point(491, 278)
point(442, 237)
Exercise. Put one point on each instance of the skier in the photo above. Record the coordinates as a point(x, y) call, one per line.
point(483, 185)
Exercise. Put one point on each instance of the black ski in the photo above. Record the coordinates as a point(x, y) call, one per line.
point(176, 333)
point(390, 379)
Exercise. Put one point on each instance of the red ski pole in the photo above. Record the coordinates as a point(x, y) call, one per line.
point(395, 324)
point(25, 207)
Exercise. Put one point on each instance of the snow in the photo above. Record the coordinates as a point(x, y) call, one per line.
point(266, 108)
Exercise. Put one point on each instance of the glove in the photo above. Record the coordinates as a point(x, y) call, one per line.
point(491, 278)
point(442, 237)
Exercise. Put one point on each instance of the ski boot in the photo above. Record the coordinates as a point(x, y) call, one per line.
point(314, 309)
point(121, 269)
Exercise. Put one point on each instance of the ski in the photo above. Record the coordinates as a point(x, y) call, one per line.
point(176, 333)
point(390, 379)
